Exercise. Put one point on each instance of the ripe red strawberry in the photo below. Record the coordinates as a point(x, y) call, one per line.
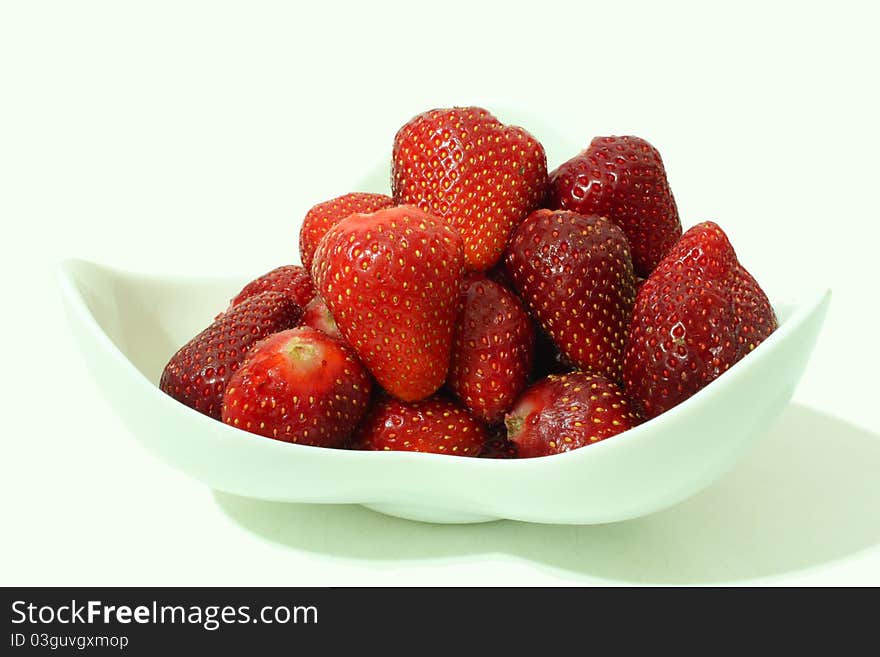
point(575, 274)
point(198, 373)
point(292, 280)
point(431, 425)
point(695, 316)
point(622, 178)
point(492, 350)
point(565, 412)
point(299, 386)
point(325, 215)
point(392, 279)
point(466, 167)
point(318, 316)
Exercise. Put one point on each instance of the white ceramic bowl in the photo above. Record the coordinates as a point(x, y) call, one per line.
point(128, 325)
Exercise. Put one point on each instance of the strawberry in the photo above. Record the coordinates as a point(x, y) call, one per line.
point(392, 279)
point(622, 178)
point(466, 167)
point(292, 280)
point(299, 386)
point(561, 413)
point(697, 314)
point(574, 273)
point(325, 215)
point(318, 316)
point(492, 350)
point(431, 425)
point(198, 373)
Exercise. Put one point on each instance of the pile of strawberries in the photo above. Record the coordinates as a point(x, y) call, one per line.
point(485, 308)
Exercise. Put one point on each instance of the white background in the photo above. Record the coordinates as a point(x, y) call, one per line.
point(191, 138)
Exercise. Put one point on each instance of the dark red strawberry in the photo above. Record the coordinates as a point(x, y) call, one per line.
point(756, 319)
point(492, 350)
point(575, 274)
point(325, 215)
point(299, 386)
point(431, 425)
point(198, 373)
point(318, 316)
point(565, 412)
point(622, 178)
point(497, 445)
point(466, 167)
point(392, 280)
point(695, 316)
point(292, 280)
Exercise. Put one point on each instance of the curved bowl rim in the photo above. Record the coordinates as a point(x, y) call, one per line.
point(68, 269)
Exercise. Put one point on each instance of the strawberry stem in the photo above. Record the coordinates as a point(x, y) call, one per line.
point(514, 425)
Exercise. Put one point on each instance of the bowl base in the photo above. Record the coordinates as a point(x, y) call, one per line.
point(427, 514)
